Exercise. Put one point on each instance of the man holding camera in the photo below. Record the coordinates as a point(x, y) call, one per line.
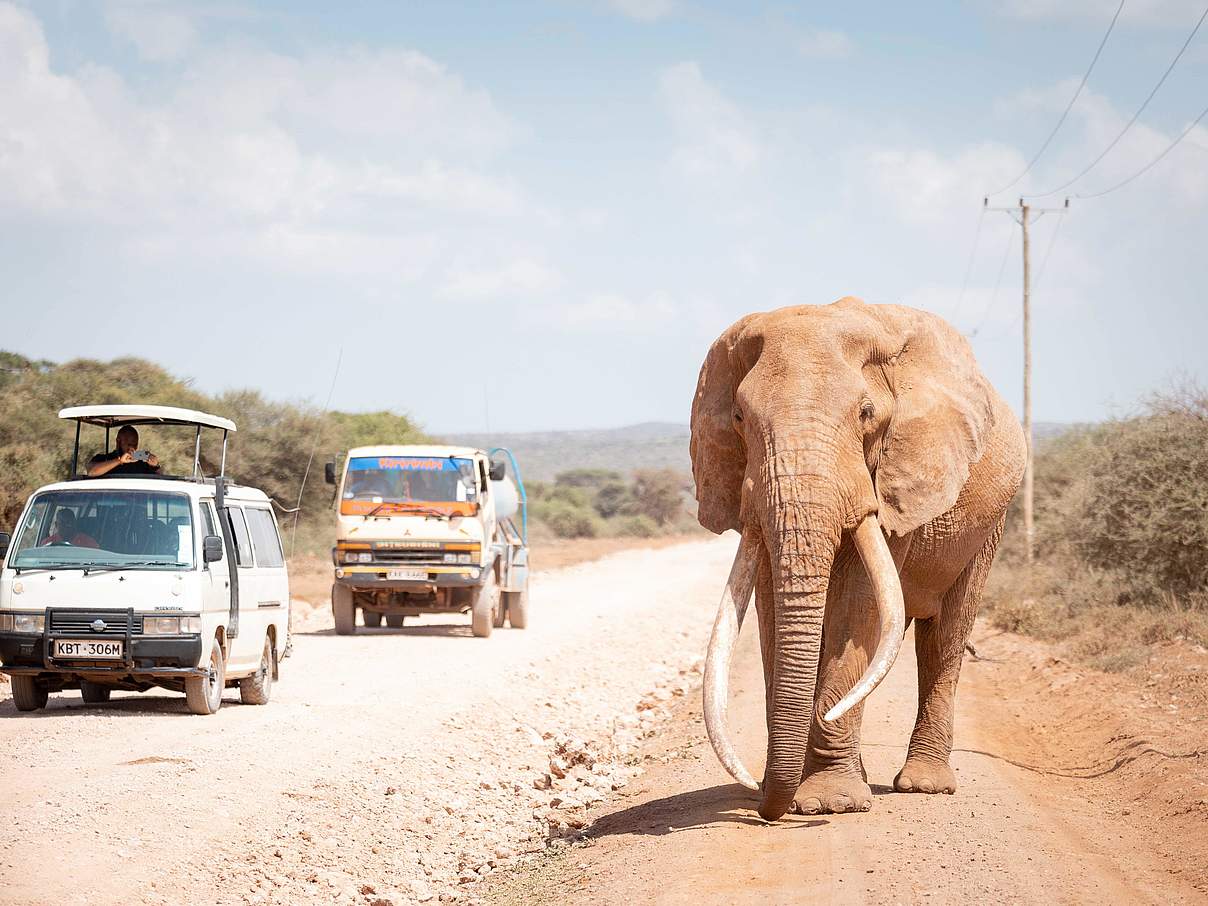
point(127, 459)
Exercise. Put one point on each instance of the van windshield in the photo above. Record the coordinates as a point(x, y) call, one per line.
point(409, 479)
point(105, 529)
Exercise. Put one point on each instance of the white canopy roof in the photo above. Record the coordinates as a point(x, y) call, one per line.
point(116, 416)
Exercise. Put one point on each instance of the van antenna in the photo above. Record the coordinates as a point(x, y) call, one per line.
point(293, 535)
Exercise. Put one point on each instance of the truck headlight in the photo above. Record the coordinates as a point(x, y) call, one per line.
point(171, 625)
point(450, 558)
point(28, 622)
point(465, 558)
point(365, 557)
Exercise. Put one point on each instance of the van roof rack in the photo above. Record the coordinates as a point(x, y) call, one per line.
point(121, 415)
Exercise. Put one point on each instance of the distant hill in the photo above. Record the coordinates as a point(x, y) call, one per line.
point(543, 454)
point(650, 445)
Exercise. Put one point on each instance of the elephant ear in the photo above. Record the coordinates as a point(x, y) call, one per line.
point(718, 456)
point(943, 413)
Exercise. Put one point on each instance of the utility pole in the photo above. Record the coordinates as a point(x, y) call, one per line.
point(1024, 212)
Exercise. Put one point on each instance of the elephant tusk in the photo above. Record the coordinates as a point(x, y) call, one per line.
point(730, 611)
point(891, 609)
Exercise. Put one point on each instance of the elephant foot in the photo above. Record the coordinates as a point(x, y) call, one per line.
point(925, 777)
point(832, 793)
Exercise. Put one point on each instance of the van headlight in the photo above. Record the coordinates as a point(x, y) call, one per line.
point(171, 625)
point(27, 622)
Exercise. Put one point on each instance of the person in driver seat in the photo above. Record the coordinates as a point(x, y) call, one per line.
point(123, 460)
point(65, 531)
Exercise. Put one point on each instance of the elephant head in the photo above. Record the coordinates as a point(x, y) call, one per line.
point(810, 424)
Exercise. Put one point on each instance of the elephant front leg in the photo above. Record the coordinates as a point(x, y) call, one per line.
point(939, 645)
point(833, 779)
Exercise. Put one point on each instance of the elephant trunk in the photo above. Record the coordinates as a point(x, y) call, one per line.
point(804, 522)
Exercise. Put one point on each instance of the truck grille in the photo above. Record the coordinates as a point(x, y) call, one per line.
point(415, 556)
point(80, 622)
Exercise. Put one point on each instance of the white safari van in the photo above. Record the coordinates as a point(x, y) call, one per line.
point(129, 581)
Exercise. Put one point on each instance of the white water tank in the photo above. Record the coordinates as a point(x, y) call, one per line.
point(507, 500)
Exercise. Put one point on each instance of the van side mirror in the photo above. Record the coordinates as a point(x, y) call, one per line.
point(498, 470)
point(5, 540)
point(211, 548)
point(329, 472)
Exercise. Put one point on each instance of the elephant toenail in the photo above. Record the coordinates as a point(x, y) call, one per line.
point(810, 806)
point(905, 784)
point(926, 786)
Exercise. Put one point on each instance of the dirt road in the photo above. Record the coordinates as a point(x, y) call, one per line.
point(1073, 789)
point(391, 767)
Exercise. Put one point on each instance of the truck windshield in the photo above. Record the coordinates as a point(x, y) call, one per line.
point(409, 479)
point(105, 529)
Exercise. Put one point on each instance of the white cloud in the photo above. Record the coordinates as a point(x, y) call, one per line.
point(292, 154)
point(825, 44)
point(159, 31)
point(613, 312)
point(522, 277)
point(715, 137)
point(925, 186)
point(644, 10)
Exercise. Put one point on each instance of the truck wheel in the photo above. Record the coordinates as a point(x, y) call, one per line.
point(517, 605)
point(501, 612)
point(373, 618)
point(94, 693)
point(256, 689)
point(344, 611)
point(486, 605)
point(203, 694)
point(395, 620)
point(28, 693)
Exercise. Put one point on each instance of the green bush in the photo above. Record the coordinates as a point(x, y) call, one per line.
point(269, 451)
point(569, 521)
point(612, 499)
point(636, 526)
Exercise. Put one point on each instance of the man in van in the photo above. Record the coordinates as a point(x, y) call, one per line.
point(127, 459)
point(65, 531)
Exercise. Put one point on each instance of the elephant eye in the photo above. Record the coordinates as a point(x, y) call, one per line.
point(738, 415)
point(866, 409)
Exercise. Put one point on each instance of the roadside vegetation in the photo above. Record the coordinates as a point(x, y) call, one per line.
point(1121, 548)
point(601, 503)
point(271, 448)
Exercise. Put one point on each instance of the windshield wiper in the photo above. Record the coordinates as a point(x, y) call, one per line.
point(129, 564)
point(406, 509)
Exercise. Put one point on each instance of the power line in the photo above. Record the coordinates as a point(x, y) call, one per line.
point(1135, 116)
point(1068, 106)
point(1149, 166)
point(997, 283)
point(1010, 328)
point(960, 301)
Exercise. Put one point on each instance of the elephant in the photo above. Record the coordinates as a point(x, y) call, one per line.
point(868, 465)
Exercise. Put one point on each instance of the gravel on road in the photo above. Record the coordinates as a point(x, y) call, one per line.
point(393, 766)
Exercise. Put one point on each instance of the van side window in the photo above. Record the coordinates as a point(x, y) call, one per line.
point(208, 521)
point(243, 544)
point(264, 537)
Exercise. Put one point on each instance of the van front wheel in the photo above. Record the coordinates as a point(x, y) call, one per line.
point(28, 693)
point(204, 693)
point(255, 689)
point(343, 609)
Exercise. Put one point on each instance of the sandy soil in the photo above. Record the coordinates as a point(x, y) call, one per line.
point(393, 766)
point(1075, 787)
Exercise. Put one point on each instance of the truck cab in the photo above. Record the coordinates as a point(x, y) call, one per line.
point(428, 529)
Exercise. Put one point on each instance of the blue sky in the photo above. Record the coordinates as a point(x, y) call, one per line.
point(539, 215)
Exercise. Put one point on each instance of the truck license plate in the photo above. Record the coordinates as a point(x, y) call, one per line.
point(88, 649)
point(414, 574)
